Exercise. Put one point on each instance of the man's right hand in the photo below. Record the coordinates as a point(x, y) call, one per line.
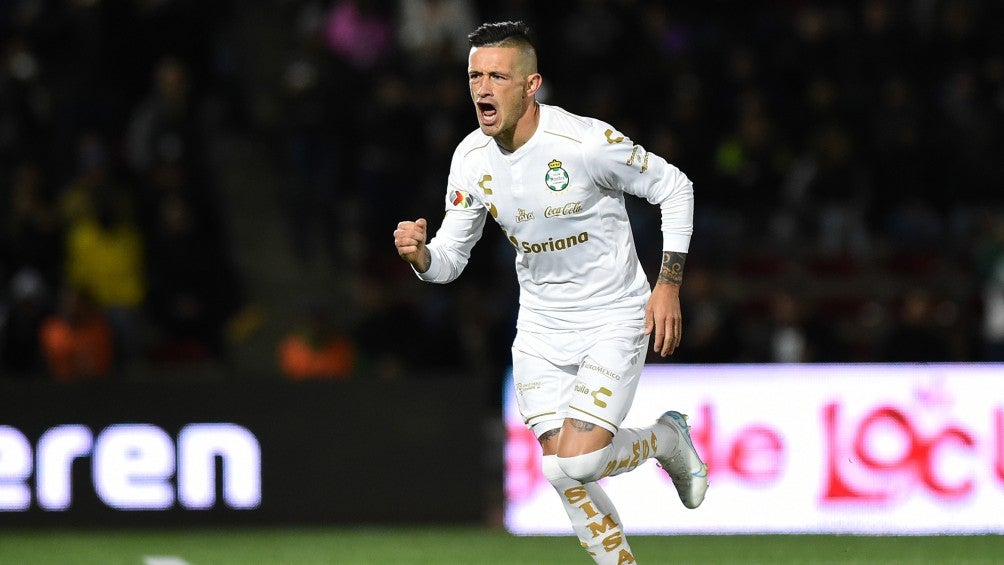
point(409, 238)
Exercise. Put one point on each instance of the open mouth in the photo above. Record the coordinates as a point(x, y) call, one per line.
point(487, 113)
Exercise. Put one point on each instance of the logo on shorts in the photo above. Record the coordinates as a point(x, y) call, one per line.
point(556, 178)
point(602, 370)
point(602, 391)
point(525, 387)
point(581, 388)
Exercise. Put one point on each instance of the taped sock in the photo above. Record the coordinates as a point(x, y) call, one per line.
point(592, 514)
point(629, 448)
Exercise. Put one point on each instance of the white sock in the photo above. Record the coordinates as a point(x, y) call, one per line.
point(629, 448)
point(594, 519)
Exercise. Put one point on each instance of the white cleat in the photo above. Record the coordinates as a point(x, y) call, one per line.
point(684, 465)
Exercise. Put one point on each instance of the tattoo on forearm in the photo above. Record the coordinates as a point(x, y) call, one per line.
point(425, 262)
point(583, 426)
point(671, 271)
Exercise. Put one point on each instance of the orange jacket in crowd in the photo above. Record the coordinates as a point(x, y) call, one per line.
point(77, 351)
point(301, 360)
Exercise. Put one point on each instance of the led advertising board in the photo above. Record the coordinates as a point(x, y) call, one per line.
point(232, 453)
point(861, 449)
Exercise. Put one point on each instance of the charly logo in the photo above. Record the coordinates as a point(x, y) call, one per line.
point(523, 215)
point(583, 389)
point(556, 178)
point(566, 210)
point(461, 199)
point(484, 187)
point(482, 184)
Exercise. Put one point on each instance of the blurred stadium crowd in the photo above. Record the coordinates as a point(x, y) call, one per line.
point(846, 158)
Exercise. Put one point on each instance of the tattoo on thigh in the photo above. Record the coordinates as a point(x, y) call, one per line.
point(583, 426)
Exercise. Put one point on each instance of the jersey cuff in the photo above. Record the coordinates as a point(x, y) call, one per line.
point(437, 270)
point(675, 242)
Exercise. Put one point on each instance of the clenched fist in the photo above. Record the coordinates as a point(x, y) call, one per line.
point(409, 238)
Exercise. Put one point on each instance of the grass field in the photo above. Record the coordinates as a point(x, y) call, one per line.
point(449, 546)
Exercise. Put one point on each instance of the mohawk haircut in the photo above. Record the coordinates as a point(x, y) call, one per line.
point(502, 34)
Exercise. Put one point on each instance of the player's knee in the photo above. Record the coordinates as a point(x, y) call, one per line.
point(588, 467)
point(552, 471)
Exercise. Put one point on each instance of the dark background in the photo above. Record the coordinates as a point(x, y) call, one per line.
point(845, 157)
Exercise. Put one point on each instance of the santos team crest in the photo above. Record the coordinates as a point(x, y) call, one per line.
point(556, 178)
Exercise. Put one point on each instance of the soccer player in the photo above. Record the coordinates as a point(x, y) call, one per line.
point(556, 183)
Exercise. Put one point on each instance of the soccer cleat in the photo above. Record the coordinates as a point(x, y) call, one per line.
point(684, 465)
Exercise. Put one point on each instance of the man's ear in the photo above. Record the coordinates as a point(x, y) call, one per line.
point(533, 83)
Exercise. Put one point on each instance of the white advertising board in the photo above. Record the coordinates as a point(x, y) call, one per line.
point(858, 449)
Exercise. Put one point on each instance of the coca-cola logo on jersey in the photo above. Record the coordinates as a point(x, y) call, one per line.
point(564, 210)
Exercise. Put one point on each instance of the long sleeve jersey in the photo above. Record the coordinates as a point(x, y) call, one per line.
point(559, 199)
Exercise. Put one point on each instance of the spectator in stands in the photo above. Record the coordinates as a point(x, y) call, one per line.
point(796, 332)
point(761, 98)
point(193, 289)
point(381, 310)
point(318, 350)
point(709, 322)
point(750, 161)
point(77, 340)
point(431, 32)
point(316, 114)
point(787, 339)
point(31, 234)
point(21, 316)
point(168, 124)
point(990, 264)
point(105, 261)
point(899, 146)
point(93, 173)
point(830, 188)
point(359, 32)
point(914, 337)
point(26, 115)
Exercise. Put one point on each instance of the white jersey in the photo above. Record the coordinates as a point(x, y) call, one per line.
point(560, 200)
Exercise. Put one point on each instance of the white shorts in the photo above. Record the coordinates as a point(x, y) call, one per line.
point(587, 375)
